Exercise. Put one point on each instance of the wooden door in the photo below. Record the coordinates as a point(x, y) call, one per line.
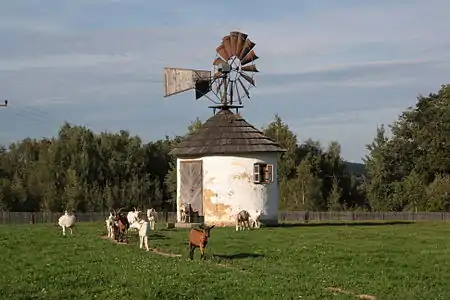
point(191, 184)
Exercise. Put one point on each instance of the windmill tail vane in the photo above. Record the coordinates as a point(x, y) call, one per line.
point(231, 80)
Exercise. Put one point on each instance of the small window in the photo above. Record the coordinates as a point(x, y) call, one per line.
point(262, 173)
point(257, 173)
point(268, 173)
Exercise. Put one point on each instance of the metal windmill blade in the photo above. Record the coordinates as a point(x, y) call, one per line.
point(234, 67)
point(233, 74)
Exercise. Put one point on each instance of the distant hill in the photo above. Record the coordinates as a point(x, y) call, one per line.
point(356, 168)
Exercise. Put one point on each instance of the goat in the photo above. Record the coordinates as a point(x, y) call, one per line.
point(199, 239)
point(110, 225)
point(144, 231)
point(121, 225)
point(133, 216)
point(186, 213)
point(254, 219)
point(242, 220)
point(67, 221)
point(182, 215)
point(151, 215)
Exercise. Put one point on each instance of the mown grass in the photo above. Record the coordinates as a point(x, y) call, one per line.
point(387, 261)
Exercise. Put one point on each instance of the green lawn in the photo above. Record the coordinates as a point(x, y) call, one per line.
point(406, 261)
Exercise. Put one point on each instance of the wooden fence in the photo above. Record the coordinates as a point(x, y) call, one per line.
point(284, 216)
point(355, 216)
point(41, 217)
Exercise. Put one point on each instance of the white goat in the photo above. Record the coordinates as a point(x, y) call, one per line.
point(109, 225)
point(66, 221)
point(254, 219)
point(133, 216)
point(144, 231)
point(151, 215)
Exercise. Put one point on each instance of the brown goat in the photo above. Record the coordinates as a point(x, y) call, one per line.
point(199, 239)
point(120, 226)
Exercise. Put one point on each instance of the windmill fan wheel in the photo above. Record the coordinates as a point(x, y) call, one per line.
point(234, 67)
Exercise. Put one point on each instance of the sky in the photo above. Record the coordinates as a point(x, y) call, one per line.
point(332, 70)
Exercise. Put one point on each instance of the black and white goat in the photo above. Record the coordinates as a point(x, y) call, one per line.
point(245, 220)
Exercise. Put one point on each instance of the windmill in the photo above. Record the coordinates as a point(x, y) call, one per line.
point(5, 104)
point(225, 145)
point(231, 80)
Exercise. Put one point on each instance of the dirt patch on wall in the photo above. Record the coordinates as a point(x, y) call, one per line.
point(218, 210)
point(244, 176)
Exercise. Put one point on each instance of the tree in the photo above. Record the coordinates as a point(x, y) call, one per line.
point(310, 187)
point(278, 131)
point(72, 193)
point(194, 125)
point(334, 198)
point(409, 194)
point(377, 185)
point(438, 194)
point(402, 167)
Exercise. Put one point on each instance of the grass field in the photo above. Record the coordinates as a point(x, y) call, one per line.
point(403, 261)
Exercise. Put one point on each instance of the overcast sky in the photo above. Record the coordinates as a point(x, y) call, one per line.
point(333, 70)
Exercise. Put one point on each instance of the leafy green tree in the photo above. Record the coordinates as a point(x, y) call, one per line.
point(278, 131)
point(377, 185)
point(310, 187)
point(72, 193)
point(334, 198)
point(438, 194)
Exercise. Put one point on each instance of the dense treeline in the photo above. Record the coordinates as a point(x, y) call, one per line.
point(83, 171)
point(410, 170)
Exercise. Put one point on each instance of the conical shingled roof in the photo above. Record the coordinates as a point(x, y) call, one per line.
point(225, 133)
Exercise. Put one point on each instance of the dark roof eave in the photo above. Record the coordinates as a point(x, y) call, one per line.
point(180, 153)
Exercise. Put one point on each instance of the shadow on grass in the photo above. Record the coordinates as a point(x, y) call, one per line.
point(152, 236)
point(237, 256)
point(357, 223)
point(157, 236)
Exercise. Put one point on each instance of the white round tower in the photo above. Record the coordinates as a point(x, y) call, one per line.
point(227, 166)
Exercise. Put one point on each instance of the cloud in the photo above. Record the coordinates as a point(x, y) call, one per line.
point(26, 25)
point(378, 74)
point(62, 61)
point(100, 63)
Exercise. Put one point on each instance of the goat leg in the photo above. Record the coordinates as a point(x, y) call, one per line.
point(202, 252)
point(146, 243)
point(191, 251)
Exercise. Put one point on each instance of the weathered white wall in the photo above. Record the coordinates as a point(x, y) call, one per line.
point(228, 188)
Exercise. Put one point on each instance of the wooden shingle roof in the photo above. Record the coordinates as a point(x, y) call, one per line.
point(225, 133)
